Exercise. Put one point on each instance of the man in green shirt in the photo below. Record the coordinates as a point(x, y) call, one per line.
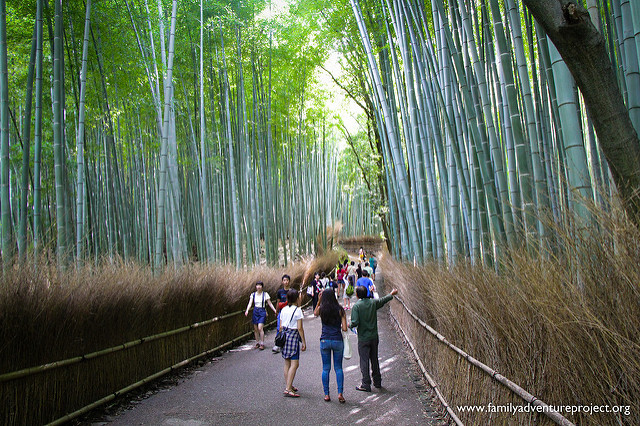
point(364, 316)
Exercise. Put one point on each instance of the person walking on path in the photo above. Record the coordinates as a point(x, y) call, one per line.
point(351, 273)
point(373, 263)
point(367, 267)
point(341, 273)
point(259, 299)
point(364, 316)
point(316, 286)
point(291, 319)
point(281, 300)
point(334, 321)
point(366, 282)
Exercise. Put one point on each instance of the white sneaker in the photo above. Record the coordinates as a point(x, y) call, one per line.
point(275, 349)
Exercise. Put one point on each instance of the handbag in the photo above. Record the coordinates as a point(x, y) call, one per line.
point(281, 336)
point(347, 353)
point(310, 290)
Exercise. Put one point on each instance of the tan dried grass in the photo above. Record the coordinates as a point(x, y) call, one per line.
point(48, 316)
point(565, 327)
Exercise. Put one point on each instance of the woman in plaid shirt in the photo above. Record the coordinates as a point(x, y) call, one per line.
point(291, 320)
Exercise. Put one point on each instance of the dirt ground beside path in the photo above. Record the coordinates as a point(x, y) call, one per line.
point(245, 386)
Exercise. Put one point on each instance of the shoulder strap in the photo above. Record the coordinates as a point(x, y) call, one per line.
point(291, 318)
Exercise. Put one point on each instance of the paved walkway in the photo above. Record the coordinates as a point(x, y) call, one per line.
point(244, 386)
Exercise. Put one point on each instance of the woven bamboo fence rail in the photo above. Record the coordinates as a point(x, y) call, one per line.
point(426, 374)
point(42, 368)
point(526, 396)
point(32, 371)
point(155, 376)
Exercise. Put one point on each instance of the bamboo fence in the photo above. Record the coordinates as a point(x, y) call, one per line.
point(513, 387)
point(29, 373)
point(70, 361)
point(426, 374)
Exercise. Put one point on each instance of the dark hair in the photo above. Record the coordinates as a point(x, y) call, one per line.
point(292, 296)
point(259, 283)
point(286, 276)
point(353, 263)
point(330, 310)
point(316, 273)
point(322, 274)
point(361, 292)
point(365, 273)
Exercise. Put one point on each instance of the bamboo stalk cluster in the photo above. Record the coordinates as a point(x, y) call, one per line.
point(224, 159)
point(486, 141)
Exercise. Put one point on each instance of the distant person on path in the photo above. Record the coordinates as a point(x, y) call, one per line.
point(281, 299)
point(361, 254)
point(334, 321)
point(351, 273)
point(366, 282)
point(317, 288)
point(324, 279)
point(291, 319)
point(364, 316)
point(373, 263)
point(341, 273)
point(259, 299)
point(369, 269)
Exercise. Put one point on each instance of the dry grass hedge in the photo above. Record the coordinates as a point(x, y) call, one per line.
point(565, 328)
point(46, 316)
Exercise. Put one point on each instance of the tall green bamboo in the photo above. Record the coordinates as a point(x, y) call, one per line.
point(58, 137)
point(162, 188)
point(80, 191)
point(37, 149)
point(206, 204)
point(26, 150)
point(4, 140)
point(397, 158)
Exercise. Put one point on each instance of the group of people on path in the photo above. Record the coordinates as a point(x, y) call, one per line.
point(334, 320)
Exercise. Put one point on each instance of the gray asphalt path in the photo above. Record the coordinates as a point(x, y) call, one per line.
point(245, 386)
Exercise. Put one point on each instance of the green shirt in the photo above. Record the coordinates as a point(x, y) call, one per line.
point(364, 315)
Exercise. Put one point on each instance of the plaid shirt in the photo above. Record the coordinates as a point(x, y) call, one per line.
point(292, 345)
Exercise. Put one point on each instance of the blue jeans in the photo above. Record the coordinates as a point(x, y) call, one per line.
point(337, 347)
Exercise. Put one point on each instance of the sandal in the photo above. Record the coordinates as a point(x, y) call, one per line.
point(341, 399)
point(293, 388)
point(261, 347)
point(327, 398)
point(291, 394)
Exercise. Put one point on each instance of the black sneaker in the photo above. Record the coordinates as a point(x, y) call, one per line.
point(378, 386)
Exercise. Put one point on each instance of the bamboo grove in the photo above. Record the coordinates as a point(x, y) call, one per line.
point(487, 144)
point(163, 132)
